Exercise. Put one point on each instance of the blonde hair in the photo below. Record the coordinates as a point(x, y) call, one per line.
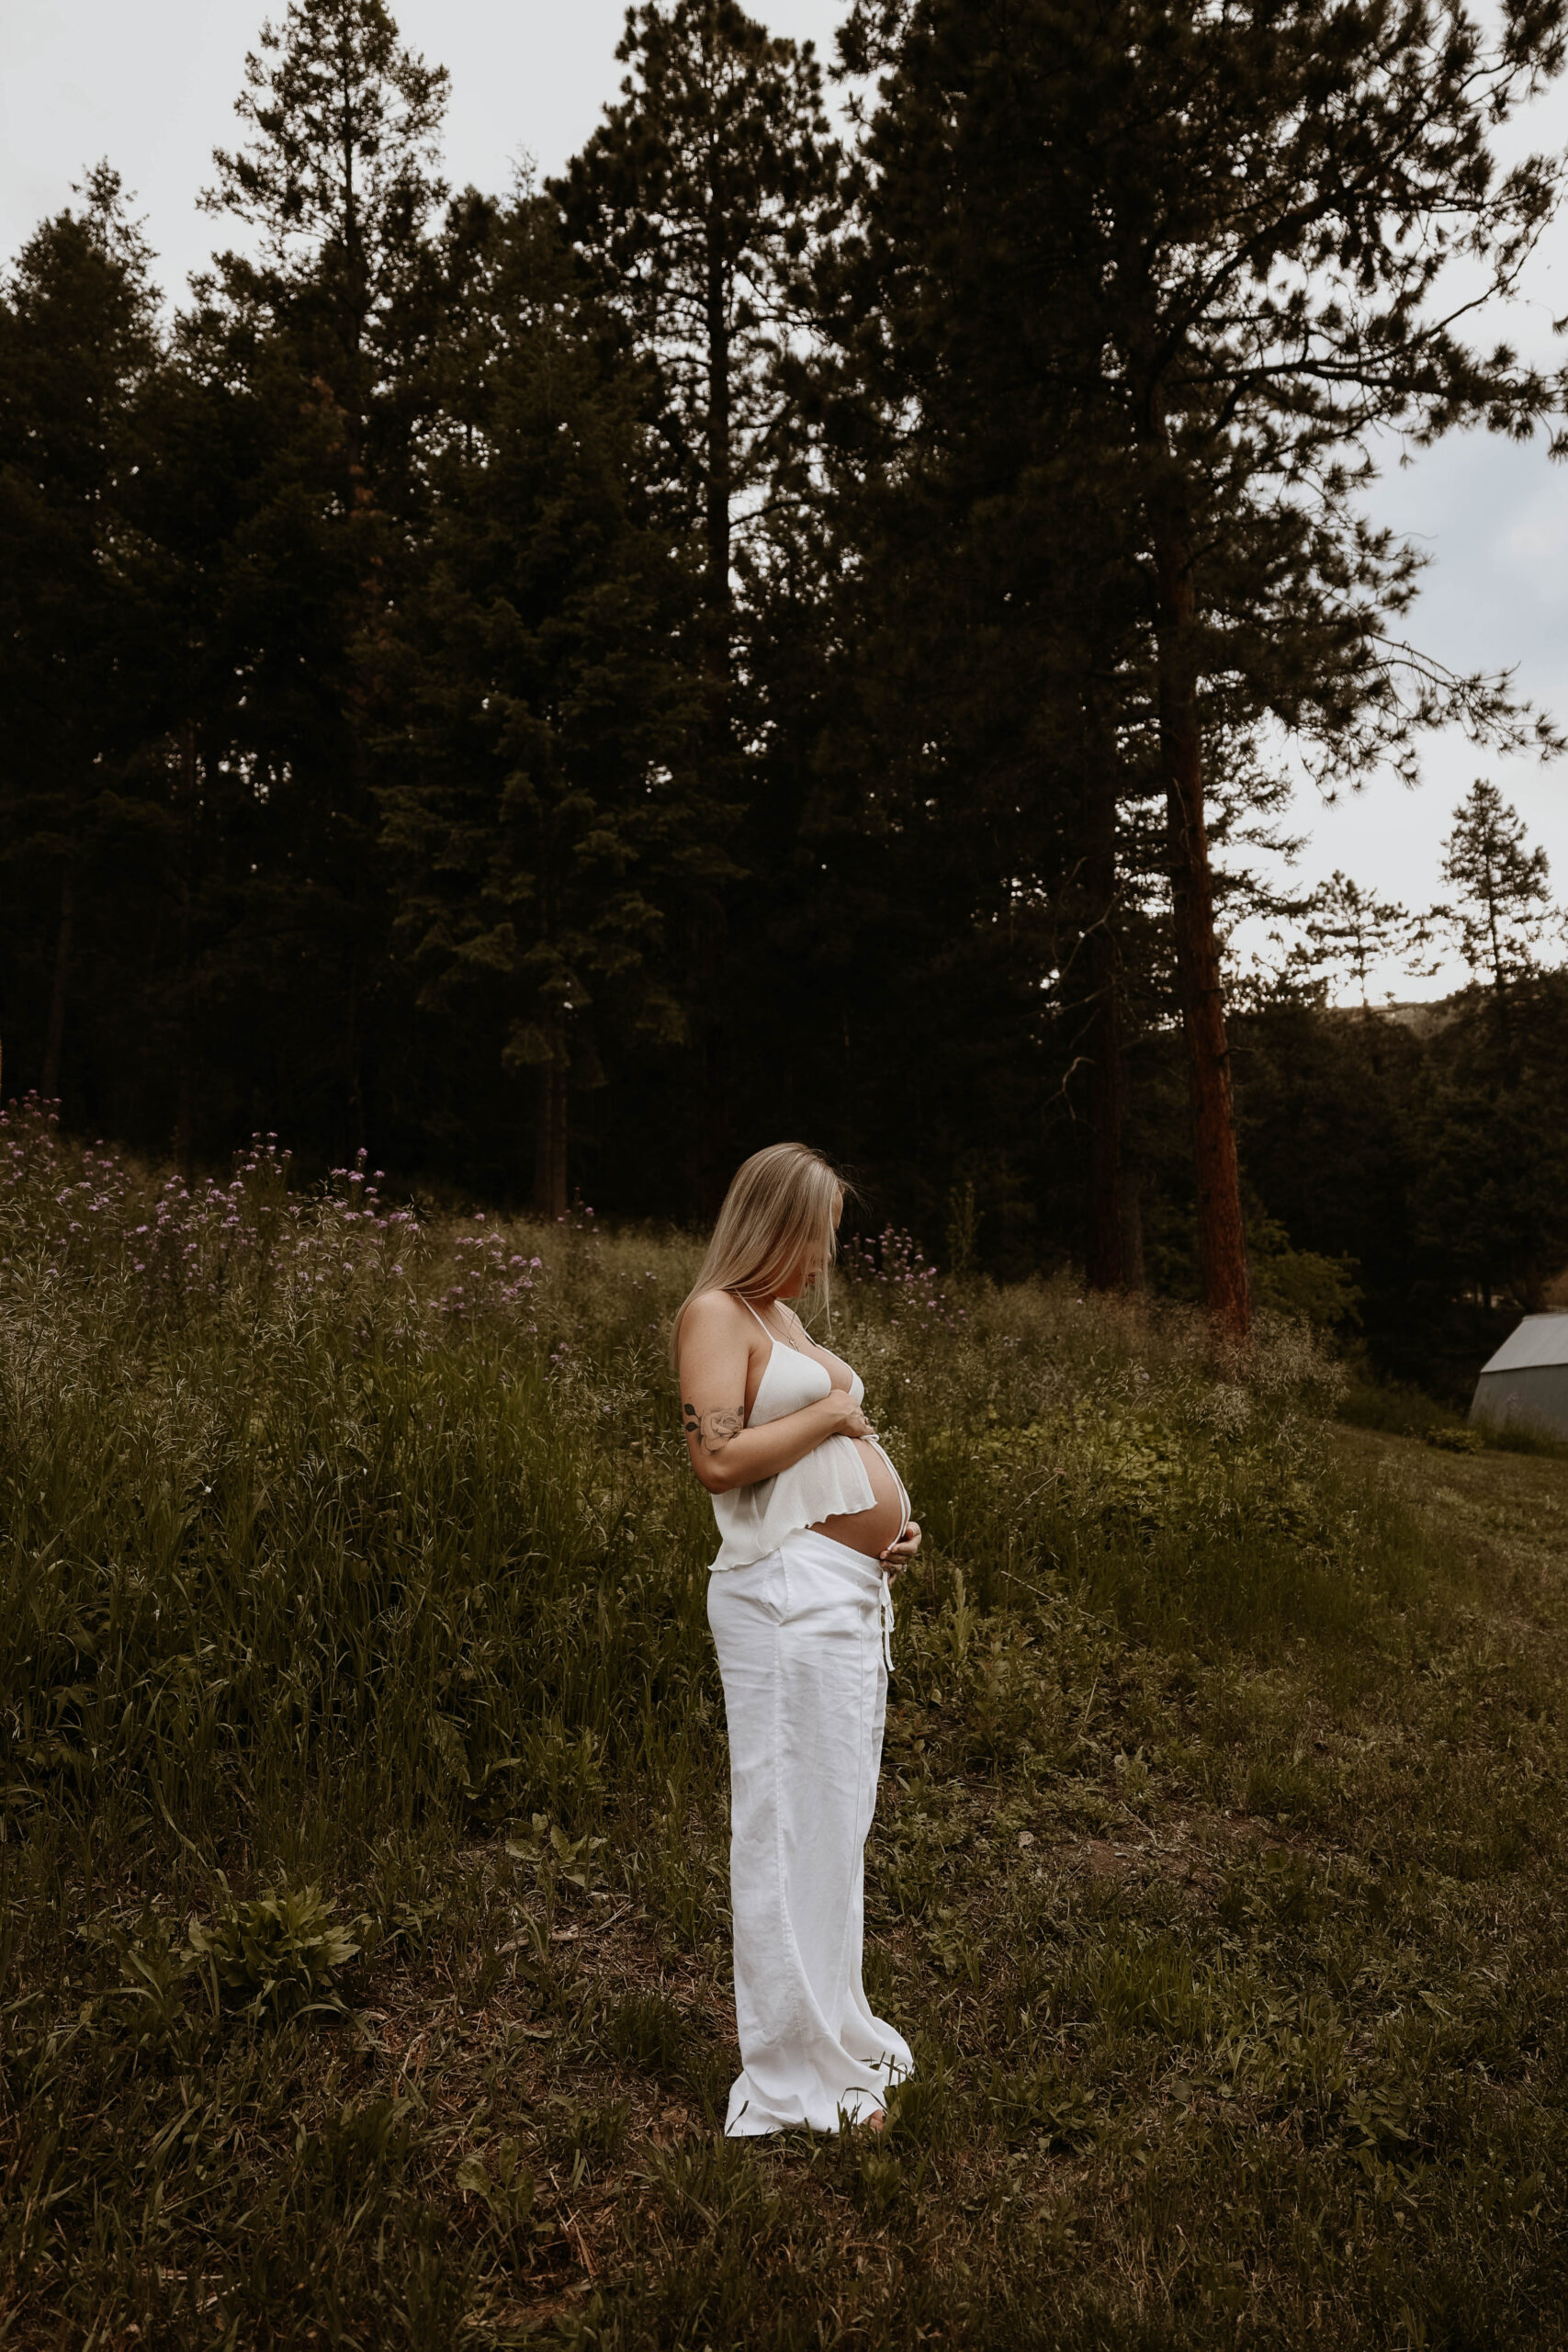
point(779, 1209)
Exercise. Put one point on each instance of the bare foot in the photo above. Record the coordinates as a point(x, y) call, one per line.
point(877, 2122)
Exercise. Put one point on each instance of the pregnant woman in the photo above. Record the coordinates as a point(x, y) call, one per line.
point(813, 1520)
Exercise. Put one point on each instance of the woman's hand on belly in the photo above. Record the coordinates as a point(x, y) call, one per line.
point(898, 1556)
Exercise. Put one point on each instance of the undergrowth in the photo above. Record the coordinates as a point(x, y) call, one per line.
point(363, 1924)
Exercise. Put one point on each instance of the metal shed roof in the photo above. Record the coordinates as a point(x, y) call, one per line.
point(1540, 1340)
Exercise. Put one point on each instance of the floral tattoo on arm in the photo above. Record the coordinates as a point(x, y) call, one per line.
point(713, 1429)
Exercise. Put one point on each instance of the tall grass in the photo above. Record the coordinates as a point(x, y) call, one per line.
point(353, 1636)
point(310, 1507)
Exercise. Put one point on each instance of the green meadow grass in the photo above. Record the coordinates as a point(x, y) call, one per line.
point(363, 1942)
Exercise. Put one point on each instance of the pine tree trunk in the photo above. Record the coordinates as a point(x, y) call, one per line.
point(709, 1171)
point(1107, 1223)
point(54, 1038)
point(357, 921)
point(1107, 1236)
point(710, 1156)
point(1132, 1223)
point(185, 1099)
point(1222, 1238)
point(716, 585)
point(550, 1141)
point(354, 1092)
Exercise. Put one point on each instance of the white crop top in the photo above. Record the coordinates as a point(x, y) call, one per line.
point(829, 1481)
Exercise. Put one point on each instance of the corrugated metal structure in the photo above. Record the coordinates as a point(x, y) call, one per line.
point(1525, 1384)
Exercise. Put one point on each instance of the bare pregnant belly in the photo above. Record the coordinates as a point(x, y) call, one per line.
point(870, 1531)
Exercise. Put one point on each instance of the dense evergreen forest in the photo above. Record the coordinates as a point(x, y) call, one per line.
point(781, 634)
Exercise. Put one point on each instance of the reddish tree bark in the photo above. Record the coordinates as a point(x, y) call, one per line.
point(1222, 1237)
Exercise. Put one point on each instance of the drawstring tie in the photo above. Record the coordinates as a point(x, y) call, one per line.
point(885, 1617)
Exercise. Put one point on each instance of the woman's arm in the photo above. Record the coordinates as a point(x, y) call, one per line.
point(713, 1354)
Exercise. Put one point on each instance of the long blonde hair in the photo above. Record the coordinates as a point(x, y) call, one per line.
point(780, 1207)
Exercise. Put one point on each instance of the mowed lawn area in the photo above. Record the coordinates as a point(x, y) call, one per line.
point(363, 1885)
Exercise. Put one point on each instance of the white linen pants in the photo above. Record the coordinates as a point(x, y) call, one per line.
point(801, 1652)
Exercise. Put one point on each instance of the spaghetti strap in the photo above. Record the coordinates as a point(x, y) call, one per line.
point(755, 1317)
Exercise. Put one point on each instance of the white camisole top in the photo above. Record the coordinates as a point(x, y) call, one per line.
point(831, 1479)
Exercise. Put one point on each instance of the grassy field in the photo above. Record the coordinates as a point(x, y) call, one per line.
point(364, 1975)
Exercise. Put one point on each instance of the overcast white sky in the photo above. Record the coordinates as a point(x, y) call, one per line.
point(152, 87)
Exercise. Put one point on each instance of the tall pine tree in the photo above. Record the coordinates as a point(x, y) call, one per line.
point(321, 328)
point(696, 206)
point(78, 342)
point(1257, 207)
point(543, 818)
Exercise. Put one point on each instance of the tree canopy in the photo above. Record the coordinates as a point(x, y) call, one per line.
point(770, 633)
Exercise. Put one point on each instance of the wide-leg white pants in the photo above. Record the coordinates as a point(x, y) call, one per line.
point(801, 1653)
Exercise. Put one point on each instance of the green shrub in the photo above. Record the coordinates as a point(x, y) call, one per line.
point(274, 1956)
